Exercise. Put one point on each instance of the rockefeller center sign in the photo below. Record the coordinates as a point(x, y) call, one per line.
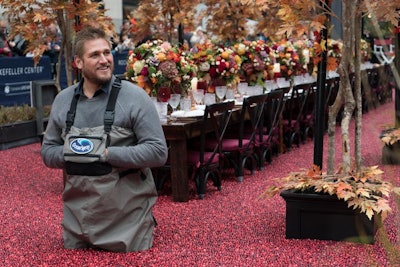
point(16, 74)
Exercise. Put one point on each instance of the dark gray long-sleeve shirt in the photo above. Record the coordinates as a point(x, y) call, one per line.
point(134, 110)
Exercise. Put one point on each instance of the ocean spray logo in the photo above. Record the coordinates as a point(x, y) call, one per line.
point(81, 146)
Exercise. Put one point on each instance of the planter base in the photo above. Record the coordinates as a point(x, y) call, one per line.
point(18, 134)
point(391, 154)
point(324, 217)
point(23, 142)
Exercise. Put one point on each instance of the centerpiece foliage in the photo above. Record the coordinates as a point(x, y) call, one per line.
point(225, 65)
point(256, 59)
point(286, 56)
point(159, 63)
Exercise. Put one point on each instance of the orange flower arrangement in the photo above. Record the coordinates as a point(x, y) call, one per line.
point(285, 54)
point(225, 65)
point(158, 63)
point(255, 57)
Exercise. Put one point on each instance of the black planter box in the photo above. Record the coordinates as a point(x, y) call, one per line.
point(324, 217)
point(18, 134)
point(391, 154)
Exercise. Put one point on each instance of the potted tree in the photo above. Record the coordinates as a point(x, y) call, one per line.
point(354, 185)
point(24, 124)
point(342, 206)
point(391, 137)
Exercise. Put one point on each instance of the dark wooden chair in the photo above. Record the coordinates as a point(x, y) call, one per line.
point(239, 146)
point(307, 121)
point(271, 139)
point(293, 115)
point(203, 162)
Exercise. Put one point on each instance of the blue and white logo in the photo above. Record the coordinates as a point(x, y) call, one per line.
point(81, 146)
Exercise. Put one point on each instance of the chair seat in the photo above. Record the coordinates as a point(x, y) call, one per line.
point(193, 157)
point(266, 140)
point(233, 145)
point(229, 145)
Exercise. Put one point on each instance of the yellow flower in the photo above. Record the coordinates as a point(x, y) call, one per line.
point(238, 59)
point(138, 66)
point(241, 49)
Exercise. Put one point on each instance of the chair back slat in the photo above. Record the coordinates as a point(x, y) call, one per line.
point(253, 111)
point(218, 116)
point(274, 107)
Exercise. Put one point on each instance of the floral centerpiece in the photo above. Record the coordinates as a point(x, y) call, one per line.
point(365, 50)
point(305, 48)
point(202, 56)
point(157, 64)
point(334, 53)
point(255, 57)
point(286, 60)
point(216, 65)
point(225, 66)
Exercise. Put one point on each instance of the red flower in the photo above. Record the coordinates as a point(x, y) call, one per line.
point(222, 66)
point(213, 72)
point(144, 72)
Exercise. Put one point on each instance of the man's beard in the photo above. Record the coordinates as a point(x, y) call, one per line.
point(92, 77)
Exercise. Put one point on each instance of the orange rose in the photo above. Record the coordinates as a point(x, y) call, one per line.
point(225, 55)
point(161, 56)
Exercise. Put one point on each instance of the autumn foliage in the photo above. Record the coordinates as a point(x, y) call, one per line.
point(363, 190)
point(31, 19)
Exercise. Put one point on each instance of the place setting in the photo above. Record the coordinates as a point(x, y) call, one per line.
point(186, 110)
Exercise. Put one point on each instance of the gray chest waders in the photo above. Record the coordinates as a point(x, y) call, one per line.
point(84, 152)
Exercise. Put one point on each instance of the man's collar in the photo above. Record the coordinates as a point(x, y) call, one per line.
point(104, 89)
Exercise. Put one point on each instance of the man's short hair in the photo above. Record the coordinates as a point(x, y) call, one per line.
point(86, 34)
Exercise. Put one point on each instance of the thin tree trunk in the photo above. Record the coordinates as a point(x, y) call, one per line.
point(66, 47)
point(61, 25)
point(348, 11)
point(68, 52)
point(332, 115)
point(357, 85)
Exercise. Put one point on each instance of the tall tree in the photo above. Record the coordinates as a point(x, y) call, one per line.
point(31, 18)
point(161, 19)
point(231, 18)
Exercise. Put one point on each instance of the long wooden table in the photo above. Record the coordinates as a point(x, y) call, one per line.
point(177, 133)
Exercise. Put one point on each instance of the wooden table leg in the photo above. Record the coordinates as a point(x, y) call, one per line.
point(179, 173)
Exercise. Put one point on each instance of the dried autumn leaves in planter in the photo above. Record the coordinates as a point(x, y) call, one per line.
point(391, 148)
point(343, 206)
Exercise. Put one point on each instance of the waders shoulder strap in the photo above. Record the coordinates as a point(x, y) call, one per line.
point(109, 113)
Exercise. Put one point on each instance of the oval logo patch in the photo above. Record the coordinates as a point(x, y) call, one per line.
point(81, 146)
